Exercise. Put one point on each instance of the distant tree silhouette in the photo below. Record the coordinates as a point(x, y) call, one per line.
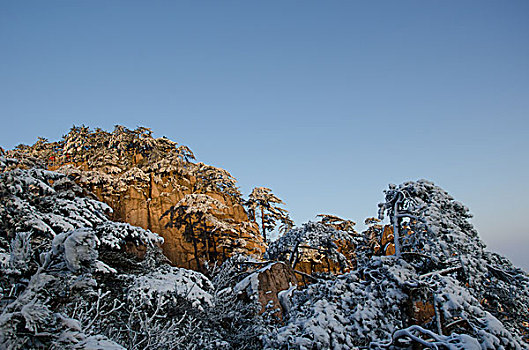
point(337, 223)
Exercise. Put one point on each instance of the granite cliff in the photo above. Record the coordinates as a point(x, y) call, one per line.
point(141, 178)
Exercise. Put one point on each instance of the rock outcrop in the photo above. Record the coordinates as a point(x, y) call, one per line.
point(141, 178)
point(270, 286)
point(144, 203)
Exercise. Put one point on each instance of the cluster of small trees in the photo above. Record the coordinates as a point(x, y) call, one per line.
point(203, 223)
point(439, 289)
point(99, 147)
point(318, 244)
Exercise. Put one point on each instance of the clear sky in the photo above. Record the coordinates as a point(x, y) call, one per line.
point(326, 102)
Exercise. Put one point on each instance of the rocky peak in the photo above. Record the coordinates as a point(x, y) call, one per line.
point(141, 178)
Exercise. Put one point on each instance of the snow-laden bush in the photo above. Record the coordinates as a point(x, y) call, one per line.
point(20, 252)
point(312, 241)
point(364, 307)
point(114, 234)
point(78, 248)
point(6, 162)
point(349, 311)
point(171, 283)
point(47, 203)
point(434, 231)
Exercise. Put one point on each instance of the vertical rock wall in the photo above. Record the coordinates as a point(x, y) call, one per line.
point(145, 205)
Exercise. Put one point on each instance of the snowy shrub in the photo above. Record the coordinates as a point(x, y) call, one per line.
point(20, 252)
point(428, 339)
point(346, 312)
point(48, 203)
point(313, 241)
point(114, 234)
point(45, 203)
point(79, 248)
point(6, 163)
point(435, 233)
point(96, 342)
point(170, 283)
point(478, 300)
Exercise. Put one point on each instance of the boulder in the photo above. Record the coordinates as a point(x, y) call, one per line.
point(271, 286)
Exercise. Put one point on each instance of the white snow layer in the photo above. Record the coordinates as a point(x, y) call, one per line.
point(172, 283)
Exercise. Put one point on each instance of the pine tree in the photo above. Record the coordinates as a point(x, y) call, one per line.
point(198, 215)
point(266, 204)
point(337, 223)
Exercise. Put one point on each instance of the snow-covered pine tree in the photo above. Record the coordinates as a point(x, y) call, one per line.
point(200, 217)
point(436, 235)
point(317, 244)
point(337, 223)
point(264, 203)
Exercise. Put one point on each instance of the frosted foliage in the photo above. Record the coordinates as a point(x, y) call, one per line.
point(34, 313)
point(6, 163)
point(345, 312)
point(27, 320)
point(478, 299)
point(125, 159)
point(199, 204)
point(78, 247)
point(45, 203)
point(115, 234)
point(263, 203)
point(360, 308)
point(98, 342)
point(171, 283)
point(213, 179)
point(436, 226)
point(316, 235)
point(56, 293)
point(197, 209)
point(112, 179)
point(431, 340)
point(456, 302)
point(440, 221)
point(20, 252)
point(48, 204)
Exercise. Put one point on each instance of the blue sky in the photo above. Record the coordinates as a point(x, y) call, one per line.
point(324, 102)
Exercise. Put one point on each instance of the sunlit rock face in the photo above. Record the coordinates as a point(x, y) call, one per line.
point(141, 178)
point(145, 207)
